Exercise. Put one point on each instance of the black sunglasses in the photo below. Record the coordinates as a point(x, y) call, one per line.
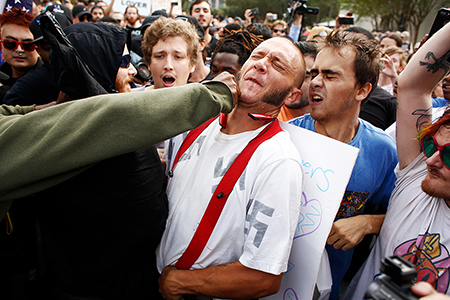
point(280, 30)
point(85, 17)
point(13, 44)
point(126, 61)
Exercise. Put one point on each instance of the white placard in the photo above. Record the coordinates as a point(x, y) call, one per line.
point(144, 6)
point(327, 166)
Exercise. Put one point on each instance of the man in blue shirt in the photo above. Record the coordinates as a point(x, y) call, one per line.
point(343, 76)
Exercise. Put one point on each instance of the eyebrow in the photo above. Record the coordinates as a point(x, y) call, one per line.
point(326, 71)
point(14, 38)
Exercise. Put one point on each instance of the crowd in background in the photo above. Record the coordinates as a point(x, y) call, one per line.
point(75, 248)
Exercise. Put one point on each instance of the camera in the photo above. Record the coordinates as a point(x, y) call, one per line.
point(254, 12)
point(143, 73)
point(303, 9)
point(346, 20)
point(395, 282)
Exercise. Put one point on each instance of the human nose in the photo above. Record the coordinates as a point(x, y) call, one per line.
point(261, 65)
point(316, 81)
point(168, 63)
point(132, 70)
point(435, 160)
point(19, 48)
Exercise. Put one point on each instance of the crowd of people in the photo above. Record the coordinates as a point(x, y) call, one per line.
point(116, 187)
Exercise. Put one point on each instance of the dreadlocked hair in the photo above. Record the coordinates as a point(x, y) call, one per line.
point(239, 42)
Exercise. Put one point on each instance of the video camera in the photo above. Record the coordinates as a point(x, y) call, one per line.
point(395, 283)
point(301, 9)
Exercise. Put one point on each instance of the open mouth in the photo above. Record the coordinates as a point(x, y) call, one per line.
point(317, 99)
point(168, 81)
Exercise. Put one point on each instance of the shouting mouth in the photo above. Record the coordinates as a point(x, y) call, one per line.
point(168, 80)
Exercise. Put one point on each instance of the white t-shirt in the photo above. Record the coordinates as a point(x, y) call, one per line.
point(416, 227)
point(258, 221)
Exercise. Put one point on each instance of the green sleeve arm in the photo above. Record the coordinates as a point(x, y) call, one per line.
point(7, 110)
point(45, 147)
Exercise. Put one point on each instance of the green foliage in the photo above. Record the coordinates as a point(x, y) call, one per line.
point(394, 14)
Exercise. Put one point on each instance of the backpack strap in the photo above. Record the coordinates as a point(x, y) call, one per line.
point(220, 196)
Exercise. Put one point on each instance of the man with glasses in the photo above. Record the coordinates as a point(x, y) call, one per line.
point(81, 14)
point(417, 222)
point(18, 48)
point(38, 86)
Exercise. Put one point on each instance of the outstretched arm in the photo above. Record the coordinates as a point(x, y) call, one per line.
point(43, 148)
point(415, 85)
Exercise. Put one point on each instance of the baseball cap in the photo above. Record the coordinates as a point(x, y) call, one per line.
point(193, 21)
point(79, 10)
point(147, 22)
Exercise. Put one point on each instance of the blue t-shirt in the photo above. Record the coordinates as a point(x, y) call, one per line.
point(372, 180)
point(439, 102)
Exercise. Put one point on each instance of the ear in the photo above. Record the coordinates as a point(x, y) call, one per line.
point(202, 45)
point(363, 91)
point(192, 69)
point(293, 96)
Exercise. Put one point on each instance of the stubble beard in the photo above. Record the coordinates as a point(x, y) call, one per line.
point(431, 190)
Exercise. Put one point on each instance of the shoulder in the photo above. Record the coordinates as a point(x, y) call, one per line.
point(370, 135)
point(278, 148)
point(305, 121)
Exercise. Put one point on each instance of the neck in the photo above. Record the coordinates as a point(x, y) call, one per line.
point(239, 121)
point(208, 37)
point(384, 80)
point(299, 111)
point(340, 131)
point(201, 71)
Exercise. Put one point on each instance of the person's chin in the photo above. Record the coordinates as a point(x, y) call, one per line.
point(429, 186)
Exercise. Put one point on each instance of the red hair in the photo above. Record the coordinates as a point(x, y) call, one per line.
point(433, 128)
point(16, 16)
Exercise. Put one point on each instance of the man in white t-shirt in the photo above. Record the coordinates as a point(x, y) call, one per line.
point(248, 251)
point(417, 221)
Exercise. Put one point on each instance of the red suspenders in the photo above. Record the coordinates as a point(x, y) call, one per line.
point(223, 190)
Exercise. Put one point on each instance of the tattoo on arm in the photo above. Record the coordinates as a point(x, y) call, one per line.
point(439, 63)
point(423, 118)
point(228, 263)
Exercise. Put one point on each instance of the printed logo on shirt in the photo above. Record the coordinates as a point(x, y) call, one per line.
point(197, 144)
point(352, 204)
point(431, 258)
point(257, 224)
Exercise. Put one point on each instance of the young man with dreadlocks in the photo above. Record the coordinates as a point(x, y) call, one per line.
point(233, 49)
point(417, 221)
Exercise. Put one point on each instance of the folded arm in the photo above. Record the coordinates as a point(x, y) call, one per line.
point(232, 280)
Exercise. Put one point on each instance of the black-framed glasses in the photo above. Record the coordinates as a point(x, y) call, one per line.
point(126, 61)
point(279, 30)
point(429, 147)
point(13, 44)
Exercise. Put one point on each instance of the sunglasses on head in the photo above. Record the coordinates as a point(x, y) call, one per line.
point(126, 61)
point(13, 44)
point(279, 30)
point(429, 147)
